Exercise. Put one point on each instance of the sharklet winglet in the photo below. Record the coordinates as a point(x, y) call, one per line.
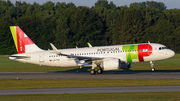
point(89, 44)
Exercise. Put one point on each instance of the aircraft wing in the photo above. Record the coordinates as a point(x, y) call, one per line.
point(75, 57)
point(83, 61)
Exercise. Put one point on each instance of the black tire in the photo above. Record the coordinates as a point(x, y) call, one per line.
point(92, 72)
point(100, 71)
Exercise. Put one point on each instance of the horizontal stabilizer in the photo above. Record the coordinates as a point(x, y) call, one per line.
point(19, 57)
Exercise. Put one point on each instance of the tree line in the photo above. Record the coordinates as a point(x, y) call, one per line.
point(67, 25)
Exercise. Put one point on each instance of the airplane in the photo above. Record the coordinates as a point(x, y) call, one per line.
point(104, 57)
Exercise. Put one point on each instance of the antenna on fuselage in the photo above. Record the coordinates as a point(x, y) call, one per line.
point(148, 42)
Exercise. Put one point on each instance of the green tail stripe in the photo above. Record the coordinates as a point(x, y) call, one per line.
point(13, 32)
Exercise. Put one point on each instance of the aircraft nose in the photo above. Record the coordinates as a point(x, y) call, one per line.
point(171, 53)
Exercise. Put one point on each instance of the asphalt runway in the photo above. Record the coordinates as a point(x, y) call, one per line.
point(92, 90)
point(87, 76)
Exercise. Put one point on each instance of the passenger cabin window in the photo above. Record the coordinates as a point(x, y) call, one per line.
point(144, 50)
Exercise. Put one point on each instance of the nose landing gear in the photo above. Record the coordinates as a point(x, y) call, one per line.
point(152, 66)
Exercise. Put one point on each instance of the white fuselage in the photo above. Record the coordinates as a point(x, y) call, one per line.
point(50, 58)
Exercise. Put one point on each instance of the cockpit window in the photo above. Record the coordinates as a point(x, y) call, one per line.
point(162, 48)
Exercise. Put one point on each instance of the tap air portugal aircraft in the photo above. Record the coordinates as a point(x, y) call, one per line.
point(105, 57)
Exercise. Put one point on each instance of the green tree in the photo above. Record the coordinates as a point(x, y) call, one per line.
point(61, 32)
point(150, 4)
point(161, 33)
point(85, 27)
point(102, 3)
point(68, 26)
point(175, 40)
point(173, 16)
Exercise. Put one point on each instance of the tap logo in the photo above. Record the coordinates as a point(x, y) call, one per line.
point(137, 52)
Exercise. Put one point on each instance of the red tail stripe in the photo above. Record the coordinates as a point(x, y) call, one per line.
point(22, 41)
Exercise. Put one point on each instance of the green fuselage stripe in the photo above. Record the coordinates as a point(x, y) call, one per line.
point(131, 52)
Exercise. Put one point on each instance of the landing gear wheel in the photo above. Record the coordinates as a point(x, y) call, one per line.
point(100, 71)
point(153, 69)
point(152, 66)
point(92, 72)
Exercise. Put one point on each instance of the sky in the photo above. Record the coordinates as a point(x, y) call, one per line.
point(171, 4)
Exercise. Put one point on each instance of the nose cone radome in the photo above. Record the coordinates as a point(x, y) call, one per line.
point(171, 54)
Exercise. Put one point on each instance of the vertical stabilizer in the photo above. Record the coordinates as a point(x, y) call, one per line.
point(22, 42)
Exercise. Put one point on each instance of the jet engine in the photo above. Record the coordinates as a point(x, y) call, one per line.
point(114, 64)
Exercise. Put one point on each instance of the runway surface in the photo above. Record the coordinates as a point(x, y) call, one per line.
point(92, 90)
point(87, 76)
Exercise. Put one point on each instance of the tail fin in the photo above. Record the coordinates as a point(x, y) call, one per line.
point(22, 42)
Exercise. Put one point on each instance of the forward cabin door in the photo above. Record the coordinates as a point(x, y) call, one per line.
point(148, 49)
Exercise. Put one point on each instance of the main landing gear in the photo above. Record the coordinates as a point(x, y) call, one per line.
point(92, 72)
point(99, 71)
point(152, 66)
point(96, 64)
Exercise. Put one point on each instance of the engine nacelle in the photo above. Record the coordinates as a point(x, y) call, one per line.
point(114, 64)
point(111, 64)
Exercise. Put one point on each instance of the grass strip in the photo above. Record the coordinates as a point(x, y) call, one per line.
point(136, 96)
point(34, 84)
